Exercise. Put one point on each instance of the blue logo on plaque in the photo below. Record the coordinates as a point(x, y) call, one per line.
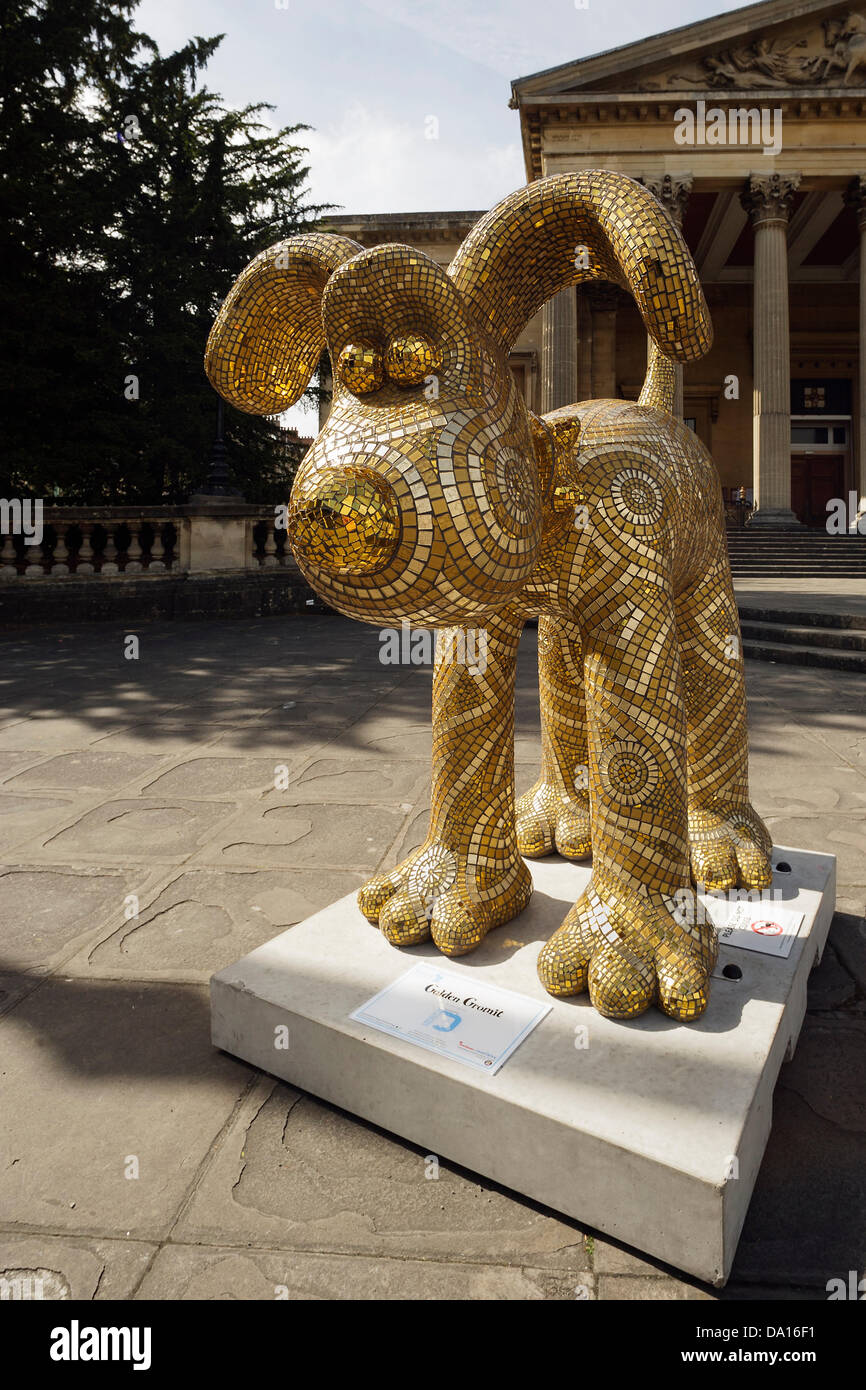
point(443, 1020)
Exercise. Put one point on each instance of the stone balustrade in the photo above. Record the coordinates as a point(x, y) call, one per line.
point(208, 536)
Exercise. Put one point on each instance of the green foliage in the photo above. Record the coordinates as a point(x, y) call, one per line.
point(130, 198)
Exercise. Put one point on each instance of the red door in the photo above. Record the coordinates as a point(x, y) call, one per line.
point(815, 479)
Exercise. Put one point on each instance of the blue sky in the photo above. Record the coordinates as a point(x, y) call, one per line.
point(367, 75)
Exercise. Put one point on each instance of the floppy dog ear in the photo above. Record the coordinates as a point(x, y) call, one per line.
point(593, 225)
point(267, 339)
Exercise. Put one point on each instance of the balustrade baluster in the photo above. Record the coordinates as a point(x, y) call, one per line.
point(109, 554)
point(133, 550)
point(84, 563)
point(157, 550)
point(8, 559)
point(270, 560)
point(34, 556)
point(60, 560)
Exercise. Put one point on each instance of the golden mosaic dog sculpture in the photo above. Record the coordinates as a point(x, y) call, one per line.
point(433, 495)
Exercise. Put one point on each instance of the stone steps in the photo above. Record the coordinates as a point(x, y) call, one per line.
point(795, 554)
point(833, 640)
point(791, 655)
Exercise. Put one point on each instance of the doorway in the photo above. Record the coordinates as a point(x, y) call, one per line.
point(815, 479)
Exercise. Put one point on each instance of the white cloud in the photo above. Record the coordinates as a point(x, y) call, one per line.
point(368, 161)
point(496, 35)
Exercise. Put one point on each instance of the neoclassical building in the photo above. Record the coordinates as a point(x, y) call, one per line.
point(751, 129)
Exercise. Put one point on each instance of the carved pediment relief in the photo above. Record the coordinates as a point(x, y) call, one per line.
point(831, 53)
point(830, 56)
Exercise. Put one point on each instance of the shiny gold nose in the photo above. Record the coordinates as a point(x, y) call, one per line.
point(344, 521)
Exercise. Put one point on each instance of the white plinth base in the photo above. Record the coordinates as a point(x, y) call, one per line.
point(638, 1134)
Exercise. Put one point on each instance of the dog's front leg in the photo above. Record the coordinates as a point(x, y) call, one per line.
point(623, 940)
point(467, 876)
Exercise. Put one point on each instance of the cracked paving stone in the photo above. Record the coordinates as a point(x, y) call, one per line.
point(807, 1220)
point(76, 1267)
point(297, 1173)
point(96, 1073)
point(834, 834)
point(45, 910)
point(206, 919)
point(202, 777)
point(80, 771)
point(141, 829)
point(376, 780)
point(182, 1272)
point(830, 985)
point(11, 762)
point(300, 835)
point(848, 936)
point(24, 817)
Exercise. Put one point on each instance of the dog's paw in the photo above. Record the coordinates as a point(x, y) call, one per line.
point(434, 893)
point(549, 819)
point(730, 847)
point(629, 952)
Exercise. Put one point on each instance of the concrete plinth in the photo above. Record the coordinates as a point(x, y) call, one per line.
point(650, 1131)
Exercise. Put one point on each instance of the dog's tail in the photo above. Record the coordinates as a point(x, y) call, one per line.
point(659, 385)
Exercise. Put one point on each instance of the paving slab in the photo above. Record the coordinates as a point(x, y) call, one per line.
point(807, 1222)
point(146, 828)
point(63, 1267)
point(307, 833)
point(296, 1173)
point(182, 1272)
point(85, 771)
point(46, 910)
point(203, 918)
point(205, 777)
point(96, 1074)
point(364, 779)
point(23, 817)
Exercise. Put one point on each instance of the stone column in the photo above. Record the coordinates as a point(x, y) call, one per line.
point(584, 345)
point(767, 199)
point(559, 351)
point(603, 301)
point(855, 197)
point(672, 191)
point(326, 386)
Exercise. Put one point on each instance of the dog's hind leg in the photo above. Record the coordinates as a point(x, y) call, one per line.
point(729, 843)
point(554, 813)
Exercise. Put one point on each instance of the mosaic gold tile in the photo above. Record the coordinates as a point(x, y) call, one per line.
point(433, 495)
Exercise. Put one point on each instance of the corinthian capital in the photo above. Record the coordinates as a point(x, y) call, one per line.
point(672, 191)
point(768, 197)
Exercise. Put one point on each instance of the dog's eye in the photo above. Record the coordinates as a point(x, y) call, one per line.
point(360, 368)
point(411, 358)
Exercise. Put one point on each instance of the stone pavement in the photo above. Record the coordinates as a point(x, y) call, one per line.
point(136, 1161)
point(811, 595)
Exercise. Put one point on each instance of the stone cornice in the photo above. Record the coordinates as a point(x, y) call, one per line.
point(372, 229)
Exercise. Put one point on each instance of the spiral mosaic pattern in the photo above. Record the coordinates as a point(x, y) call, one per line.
point(433, 495)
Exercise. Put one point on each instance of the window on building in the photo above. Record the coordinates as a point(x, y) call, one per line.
point(809, 434)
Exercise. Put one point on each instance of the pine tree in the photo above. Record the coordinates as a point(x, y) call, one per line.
point(138, 227)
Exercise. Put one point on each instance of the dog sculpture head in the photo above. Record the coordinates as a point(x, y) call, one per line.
point(422, 497)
